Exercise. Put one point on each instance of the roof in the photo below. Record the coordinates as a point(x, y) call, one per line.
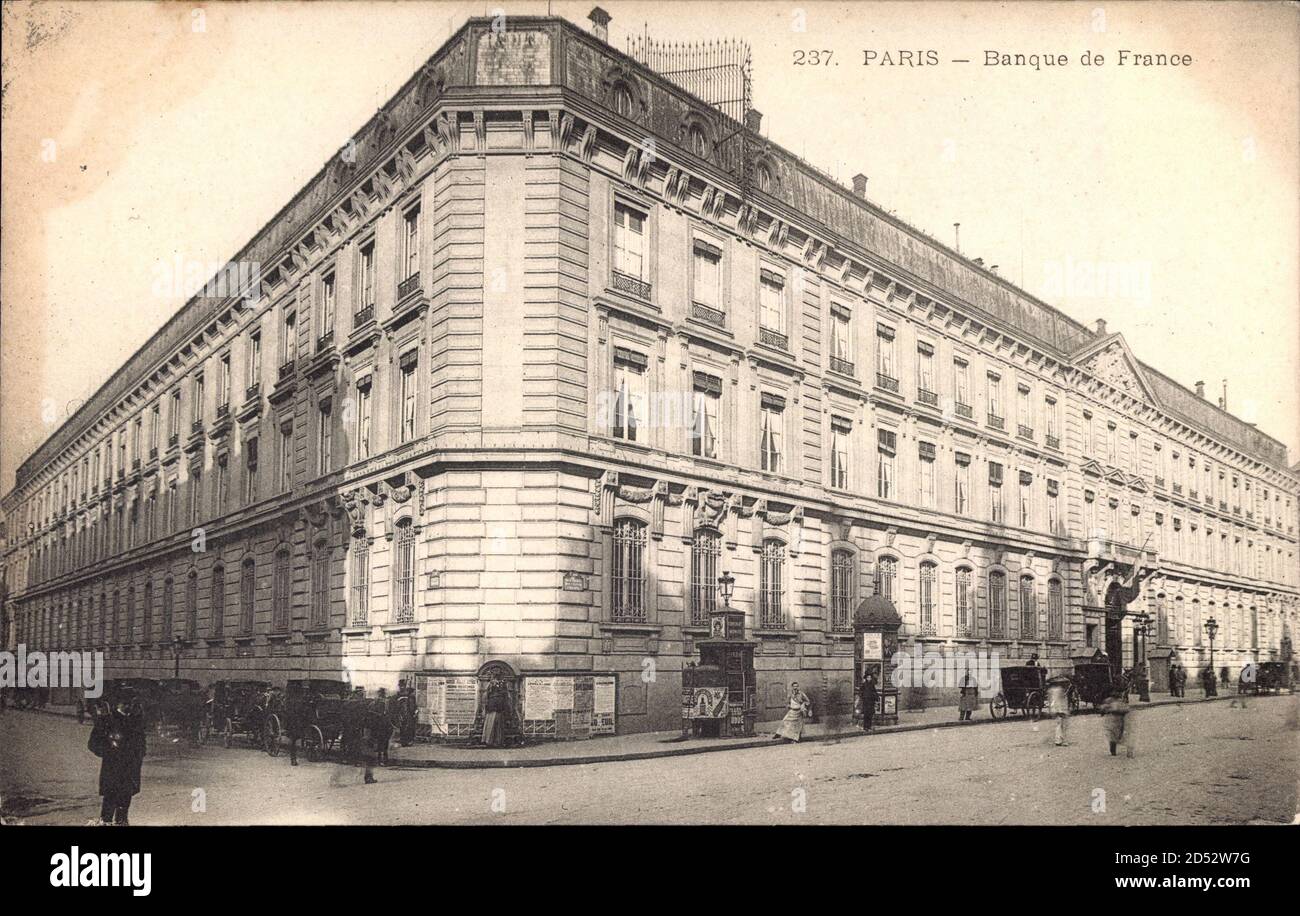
point(877, 611)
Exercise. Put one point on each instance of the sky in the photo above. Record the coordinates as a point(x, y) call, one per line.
point(1160, 198)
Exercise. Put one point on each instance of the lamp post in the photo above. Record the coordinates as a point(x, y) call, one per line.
point(1211, 628)
point(726, 587)
point(177, 645)
point(1145, 626)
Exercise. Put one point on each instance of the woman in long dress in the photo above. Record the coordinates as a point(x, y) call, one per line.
point(495, 709)
point(792, 725)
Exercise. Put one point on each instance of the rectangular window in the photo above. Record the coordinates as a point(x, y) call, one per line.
point(964, 605)
point(886, 451)
point(222, 483)
point(771, 301)
point(1052, 423)
point(1089, 445)
point(254, 358)
point(630, 395)
point(223, 380)
point(997, 511)
point(627, 572)
point(629, 241)
point(327, 303)
point(325, 436)
point(994, 388)
point(280, 585)
point(406, 394)
point(1054, 507)
point(1112, 445)
point(840, 431)
point(1025, 501)
point(360, 581)
point(411, 242)
point(961, 494)
point(363, 417)
point(196, 404)
point(196, 495)
point(771, 419)
point(706, 550)
point(961, 383)
point(926, 458)
point(997, 605)
point(286, 458)
point(707, 280)
point(706, 395)
point(771, 590)
point(1024, 412)
point(842, 590)
point(289, 344)
point(250, 470)
point(925, 384)
point(366, 276)
point(886, 363)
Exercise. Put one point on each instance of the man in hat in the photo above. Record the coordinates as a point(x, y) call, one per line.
point(870, 698)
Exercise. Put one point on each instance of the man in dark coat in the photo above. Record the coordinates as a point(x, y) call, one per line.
point(1207, 682)
point(870, 698)
point(118, 740)
point(356, 739)
point(381, 727)
point(297, 713)
point(404, 713)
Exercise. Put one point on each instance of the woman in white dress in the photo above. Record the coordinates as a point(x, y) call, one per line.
point(792, 725)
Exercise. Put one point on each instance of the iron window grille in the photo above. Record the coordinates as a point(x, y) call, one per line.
point(627, 572)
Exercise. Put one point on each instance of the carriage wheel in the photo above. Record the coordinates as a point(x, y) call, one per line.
point(1072, 698)
point(1034, 704)
point(998, 707)
point(315, 742)
point(271, 736)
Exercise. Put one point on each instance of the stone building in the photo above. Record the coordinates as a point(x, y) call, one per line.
point(548, 346)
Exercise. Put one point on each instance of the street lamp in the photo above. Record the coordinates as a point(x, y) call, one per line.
point(1211, 628)
point(1146, 627)
point(726, 586)
point(177, 645)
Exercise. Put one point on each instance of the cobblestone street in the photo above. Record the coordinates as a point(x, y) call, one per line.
point(1199, 764)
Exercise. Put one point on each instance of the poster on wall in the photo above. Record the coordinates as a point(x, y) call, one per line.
point(873, 645)
point(569, 706)
point(448, 705)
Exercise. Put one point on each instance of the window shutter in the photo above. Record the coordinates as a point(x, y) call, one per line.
point(1026, 478)
point(627, 357)
point(709, 384)
point(995, 472)
point(926, 450)
point(924, 348)
point(884, 331)
point(772, 401)
point(1053, 488)
point(962, 459)
point(888, 441)
point(409, 359)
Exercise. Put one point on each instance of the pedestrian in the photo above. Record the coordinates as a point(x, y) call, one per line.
point(1117, 722)
point(298, 706)
point(1058, 705)
point(118, 740)
point(1175, 688)
point(1224, 679)
point(380, 726)
point(798, 708)
point(357, 747)
point(1207, 682)
point(870, 698)
point(405, 702)
point(496, 709)
point(969, 698)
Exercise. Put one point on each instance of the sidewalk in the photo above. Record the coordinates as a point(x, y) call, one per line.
point(649, 745)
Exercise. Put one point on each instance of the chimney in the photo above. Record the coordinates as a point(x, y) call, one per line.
point(753, 120)
point(979, 262)
point(1099, 327)
point(860, 185)
point(1200, 389)
point(599, 23)
point(993, 269)
point(1223, 401)
point(956, 231)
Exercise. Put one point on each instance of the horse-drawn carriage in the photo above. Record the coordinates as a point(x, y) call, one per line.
point(178, 709)
point(237, 707)
point(1263, 677)
point(1024, 689)
point(322, 703)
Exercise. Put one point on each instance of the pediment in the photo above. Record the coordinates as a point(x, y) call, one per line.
point(1111, 361)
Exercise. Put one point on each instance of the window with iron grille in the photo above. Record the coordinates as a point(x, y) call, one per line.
point(146, 614)
point(997, 605)
point(168, 610)
point(926, 599)
point(771, 586)
point(192, 605)
point(627, 572)
point(965, 616)
point(1028, 609)
point(320, 585)
point(360, 581)
point(404, 572)
point(842, 590)
point(705, 552)
point(1055, 610)
point(280, 611)
point(218, 625)
point(247, 595)
point(886, 576)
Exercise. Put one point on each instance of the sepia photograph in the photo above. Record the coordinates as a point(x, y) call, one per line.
point(783, 414)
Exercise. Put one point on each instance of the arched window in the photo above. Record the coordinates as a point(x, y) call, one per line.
point(168, 608)
point(1028, 609)
point(320, 585)
point(280, 612)
point(925, 598)
point(706, 548)
point(117, 616)
point(627, 572)
point(998, 605)
point(842, 590)
point(360, 581)
point(128, 637)
point(697, 141)
point(218, 612)
point(623, 101)
point(404, 572)
point(1055, 610)
point(763, 176)
point(192, 605)
point(886, 576)
point(247, 595)
point(965, 605)
point(1197, 629)
point(146, 615)
point(771, 590)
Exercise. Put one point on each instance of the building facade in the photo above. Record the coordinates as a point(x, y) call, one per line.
point(548, 347)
